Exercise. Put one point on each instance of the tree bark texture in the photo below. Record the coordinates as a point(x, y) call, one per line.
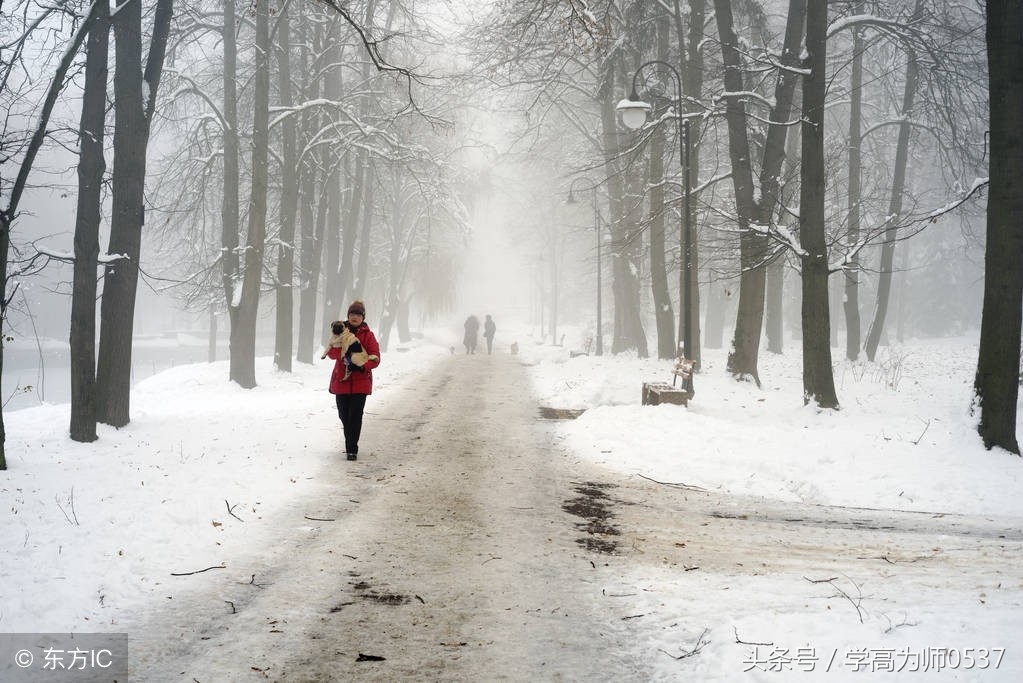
point(664, 314)
point(285, 291)
point(851, 300)
point(135, 94)
point(742, 357)
point(997, 380)
point(91, 166)
point(310, 207)
point(818, 378)
point(692, 86)
point(117, 309)
point(230, 225)
point(248, 309)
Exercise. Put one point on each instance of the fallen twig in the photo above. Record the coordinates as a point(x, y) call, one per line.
point(695, 651)
point(926, 427)
point(230, 510)
point(855, 603)
point(199, 571)
point(678, 485)
point(743, 642)
point(318, 519)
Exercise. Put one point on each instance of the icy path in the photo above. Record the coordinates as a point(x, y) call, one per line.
point(466, 544)
point(448, 554)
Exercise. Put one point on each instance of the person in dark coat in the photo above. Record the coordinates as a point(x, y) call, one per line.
point(351, 385)
point(472, 330)
point(489, 328)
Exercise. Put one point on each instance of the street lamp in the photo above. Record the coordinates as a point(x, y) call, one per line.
point(596, 227)
point(634, 113)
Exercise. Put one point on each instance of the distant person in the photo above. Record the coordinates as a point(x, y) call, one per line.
point(351, 383)
point(472, 330)
point(489, 328)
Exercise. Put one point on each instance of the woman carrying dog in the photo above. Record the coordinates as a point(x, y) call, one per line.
point(350, 392)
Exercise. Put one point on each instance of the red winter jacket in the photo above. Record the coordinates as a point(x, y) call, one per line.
point(360, 381)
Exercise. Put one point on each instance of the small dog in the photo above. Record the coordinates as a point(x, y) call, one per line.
point(342, 337)
point(514, 348)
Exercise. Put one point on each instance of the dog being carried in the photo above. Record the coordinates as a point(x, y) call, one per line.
point(342, 337)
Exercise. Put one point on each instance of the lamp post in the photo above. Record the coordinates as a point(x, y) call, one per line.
point(596, 227)
point(634, 114)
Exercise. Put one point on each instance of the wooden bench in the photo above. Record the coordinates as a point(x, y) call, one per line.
point(656, 393)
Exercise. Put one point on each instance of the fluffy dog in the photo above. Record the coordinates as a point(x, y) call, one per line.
point(342, 337)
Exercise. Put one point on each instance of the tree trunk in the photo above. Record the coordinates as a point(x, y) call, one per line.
point(91, 166)
point(851, 300)
point(229, 209)
point(310, 208)
point(664, 314)
point(248, 310)
point(692, 79)
point(997, 380)
point(133, 109)
point(117, 310)
point(818, 378)
point(285, 300)
point(884, 281)
point(742, 358)
point(774, 305)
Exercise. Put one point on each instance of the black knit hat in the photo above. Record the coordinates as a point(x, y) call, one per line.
point(357, 307)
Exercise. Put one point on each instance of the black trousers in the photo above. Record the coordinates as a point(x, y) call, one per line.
point(349, 409)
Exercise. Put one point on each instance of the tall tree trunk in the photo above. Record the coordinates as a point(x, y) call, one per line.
point(884, 281)
point(285, 300)
point(230, 224)
point(997, 380)
point(133, 108)
point(742, 358)
point(692, 80)
point(818, 378)
point(310, 206)
point(248, 309)
point(664, 314)
point(91, 166)
point(852, 273)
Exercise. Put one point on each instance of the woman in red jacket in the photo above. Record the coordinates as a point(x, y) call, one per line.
point(351, 392)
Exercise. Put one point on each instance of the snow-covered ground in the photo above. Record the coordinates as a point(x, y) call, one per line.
point(93, 530)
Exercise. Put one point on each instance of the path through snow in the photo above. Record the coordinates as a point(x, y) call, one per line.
point(464, 544)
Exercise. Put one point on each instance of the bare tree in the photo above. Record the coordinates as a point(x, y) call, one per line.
point(9, 212)
point(135, 94)
point(895, 204)
point(91, 166)
point(997, 380)
point(818, 380)
point(252, 276)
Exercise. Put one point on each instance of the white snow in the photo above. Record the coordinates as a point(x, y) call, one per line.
point(93, 531)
